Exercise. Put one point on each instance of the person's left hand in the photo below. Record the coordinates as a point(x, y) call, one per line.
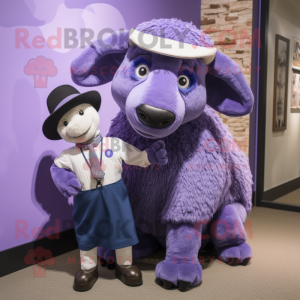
point(157, 153)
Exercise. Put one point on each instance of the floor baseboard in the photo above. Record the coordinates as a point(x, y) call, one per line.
point(281, 190)
point(13, 259)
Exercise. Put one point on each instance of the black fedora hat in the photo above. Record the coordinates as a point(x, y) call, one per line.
point(61, 100)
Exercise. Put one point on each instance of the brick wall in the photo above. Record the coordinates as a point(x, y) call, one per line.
point(229, 24)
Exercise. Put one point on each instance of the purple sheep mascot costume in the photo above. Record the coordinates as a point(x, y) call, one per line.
point(204, 193)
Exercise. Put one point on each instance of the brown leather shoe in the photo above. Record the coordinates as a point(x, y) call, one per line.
point(129, 275)
point(85, 279)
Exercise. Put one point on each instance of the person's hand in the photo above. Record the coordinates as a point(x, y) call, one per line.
point(66, 181)
point(157, 153)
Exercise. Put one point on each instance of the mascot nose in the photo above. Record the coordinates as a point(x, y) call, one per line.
point(155, 117)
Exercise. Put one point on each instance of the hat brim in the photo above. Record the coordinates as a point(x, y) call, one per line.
point(50, 125)
point(175, 49)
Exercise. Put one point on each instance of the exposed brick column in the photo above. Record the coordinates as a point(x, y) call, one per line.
point(229, 24)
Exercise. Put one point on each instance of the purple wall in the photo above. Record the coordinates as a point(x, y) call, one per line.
point(29, 199)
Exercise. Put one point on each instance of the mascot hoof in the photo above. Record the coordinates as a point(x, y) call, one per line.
point(171, 274)
point(183, 286)
point(235, 255)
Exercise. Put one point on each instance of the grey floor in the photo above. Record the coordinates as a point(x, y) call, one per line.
point(274, 272)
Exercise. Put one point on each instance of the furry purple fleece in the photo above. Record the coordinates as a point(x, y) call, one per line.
point(201, 177)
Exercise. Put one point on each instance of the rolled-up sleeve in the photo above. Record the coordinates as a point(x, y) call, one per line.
point(63, 161)
point(133, 156)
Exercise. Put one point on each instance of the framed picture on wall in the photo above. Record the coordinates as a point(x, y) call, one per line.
point(296, 53)
point(281, 73)
point(295, 93)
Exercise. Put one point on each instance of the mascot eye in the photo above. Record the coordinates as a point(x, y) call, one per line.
point(81, 112)
point(65, 123)
point(142, 71)
point(183, 81)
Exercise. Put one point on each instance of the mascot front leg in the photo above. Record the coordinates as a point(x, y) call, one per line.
point(229, 236)
point(181, 267)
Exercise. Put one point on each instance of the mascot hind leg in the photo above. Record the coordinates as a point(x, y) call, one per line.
point(229, 236)
point(147, 245)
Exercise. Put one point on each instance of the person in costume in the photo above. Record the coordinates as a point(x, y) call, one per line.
point(102, 211)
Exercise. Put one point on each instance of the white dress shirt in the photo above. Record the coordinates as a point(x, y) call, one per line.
point(114, 151)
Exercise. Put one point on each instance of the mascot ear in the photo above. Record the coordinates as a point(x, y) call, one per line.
point(228, 92)
point(97, 64)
